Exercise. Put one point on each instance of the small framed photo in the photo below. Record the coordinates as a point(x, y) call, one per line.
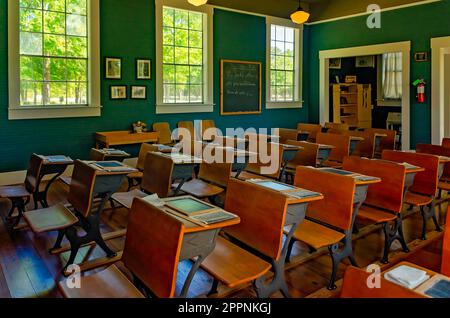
point(113, 68)
point(138, 92)
point(118, 92)
point(143, 69)
point(335, 63)
point(351, 79)
point(421, 56)
point(365, 61)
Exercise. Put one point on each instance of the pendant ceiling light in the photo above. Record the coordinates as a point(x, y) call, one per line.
point(300, 16)
point(197, 2)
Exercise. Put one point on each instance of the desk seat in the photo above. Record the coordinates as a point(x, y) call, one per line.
point(307, 232)
point(18, 191)
point(109, 283)
point(417, 199)
point(232, 265)
point(332, 164)
point(444, 185)
point(51, 219)
point(136, 175)
point(375, 215)
point(201, 189)
point(126, 198)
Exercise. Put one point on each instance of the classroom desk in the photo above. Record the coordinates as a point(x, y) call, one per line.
point(442, 161)
point(354, 141)
point(289, 153)
point(114, 156)
point(106, 184)
point(49, 168)
point(114, 138)
point(295, 214)
point(324, 153)
point(378, 139)
point(422, 288)
point(362, 186)
point(268, 138)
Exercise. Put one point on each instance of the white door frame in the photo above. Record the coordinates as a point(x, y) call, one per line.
point(439, 48)
point(404, 47)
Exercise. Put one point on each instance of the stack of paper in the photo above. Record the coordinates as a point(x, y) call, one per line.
point(407, 276)
point(154, 200)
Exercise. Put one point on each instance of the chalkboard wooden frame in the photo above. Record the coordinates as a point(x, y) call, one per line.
point(225, 113)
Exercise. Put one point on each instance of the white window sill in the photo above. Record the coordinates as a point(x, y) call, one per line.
point(184, 108)
point(281, 105)
point(18, 113)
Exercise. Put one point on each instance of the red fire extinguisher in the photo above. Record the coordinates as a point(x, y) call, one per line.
point(420, 84)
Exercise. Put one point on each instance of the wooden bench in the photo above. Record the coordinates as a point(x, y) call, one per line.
point(341, 144)
point(329, 221)
point(383, 204)
point(20, 195)
point(355, 286)
point(445, 268)
point(262, 212)
point(151, 254)
point(313, 130)
point(423, 192)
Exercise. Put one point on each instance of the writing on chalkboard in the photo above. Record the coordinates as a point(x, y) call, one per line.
point(240, 87)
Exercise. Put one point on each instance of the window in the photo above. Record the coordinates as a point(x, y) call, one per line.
point(284, 68)
point(183, 63)
point(390, 67)
point(52, 49)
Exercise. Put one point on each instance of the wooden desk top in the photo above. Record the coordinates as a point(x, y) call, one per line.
point(182, 159)
point(359, 182)
point(122, 154)
point(103, 172)
point(111, 138)
point(380, 135)
point(48, 162)
point(355, 138)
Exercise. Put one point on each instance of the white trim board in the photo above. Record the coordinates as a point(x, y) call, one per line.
point(440, 47)
point(324, 92)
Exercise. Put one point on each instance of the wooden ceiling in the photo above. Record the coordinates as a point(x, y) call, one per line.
point(320, 9)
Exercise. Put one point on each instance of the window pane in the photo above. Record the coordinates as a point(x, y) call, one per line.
point(76, 46)
point(279, 62)
point(30, 43)
point(55, 5)
point(182, 74)
point(289, 78)
point(169, 94)
point(168, 17)
point(30, 93)
point(289, 35)
point(168, 36)
point(169, 54)
point(196, 75)
point(196, 92)
point(289, 93)
point(272, 33)
point(195, 39)
point(77, 6)
point(281, 78)
point(54, 45)
point(169, 74)
point(279, 33)
point(181, 55)
point(57, 93)
point(54, 23)
point(280, 93)
point(273, 78)
point(195, 21)
point(55, 69)
point(76, 25)
point(279, 48)
point(195, 57)
point(181, 19)
point(31, 4)
point(76, 70)
point(181, 37)
point(31, 20)
point(289, 63)
point(31, 68)
point(182, 94)
point(273, 47)
point(289, 49)
point(77, 93)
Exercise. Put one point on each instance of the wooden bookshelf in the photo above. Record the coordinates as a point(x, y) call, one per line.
point(352, 104)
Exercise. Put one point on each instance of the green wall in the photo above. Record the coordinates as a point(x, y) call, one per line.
point(416, 24)
point(128, 31)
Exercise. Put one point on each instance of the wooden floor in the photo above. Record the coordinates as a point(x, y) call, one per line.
point(28, 270)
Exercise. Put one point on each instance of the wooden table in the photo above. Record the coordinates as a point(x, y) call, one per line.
point(114, 138)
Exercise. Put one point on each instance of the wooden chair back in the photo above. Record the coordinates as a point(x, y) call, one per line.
point(313, 130)
point(437, 151)
point(337, 126)
point(152, 247)
point(287, 134)
point(446, 142)
point(217, 173)
point(165, 134)
point(307, 156)
point(341, 145)
point(425, 182)
point(445, 268)
point(96, 155)
point(209, 124)
point(336, 208)
point(365, 147)
point(257, 167)
point(388, 142)
point(355, 286)
point(82, 187)
point(33, 173)
point(262, 212)
point(388, 194)
point(157, 176)
point(189, 126)
point(145, 148)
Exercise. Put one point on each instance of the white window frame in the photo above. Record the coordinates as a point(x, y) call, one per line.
point(15, 110)
point(380, 99)
point(298, 67)
point(208, 95)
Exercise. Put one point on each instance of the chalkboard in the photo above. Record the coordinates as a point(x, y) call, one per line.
point(240, 87)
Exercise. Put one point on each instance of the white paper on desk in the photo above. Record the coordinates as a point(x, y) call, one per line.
point(407, 276)
point(154, 200)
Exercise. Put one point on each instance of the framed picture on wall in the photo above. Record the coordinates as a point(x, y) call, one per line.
point(113, 68)
point(421, 56)
point(118, 92)
point(365, 61)
point(138, 92)
point(335, 63)
point(143, 69)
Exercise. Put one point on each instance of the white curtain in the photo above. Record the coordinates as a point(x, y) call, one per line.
point(392, 75)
